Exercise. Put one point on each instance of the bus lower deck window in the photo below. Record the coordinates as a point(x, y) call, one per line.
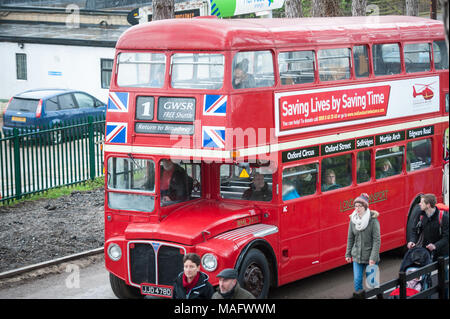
point(363, 165)
point(299, 181)
point(389, 162)
point(418, 155)
point(336, 172)
point(241, 181)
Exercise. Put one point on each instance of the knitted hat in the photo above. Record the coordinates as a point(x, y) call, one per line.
point(362, 199)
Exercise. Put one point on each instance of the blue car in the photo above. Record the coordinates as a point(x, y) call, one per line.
point(50, 108)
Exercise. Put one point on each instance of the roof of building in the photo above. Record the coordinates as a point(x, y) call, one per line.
point(64, 34)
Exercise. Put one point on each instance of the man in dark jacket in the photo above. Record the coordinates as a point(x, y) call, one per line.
point(229, 287)
point(259, 190)
point(435, 232)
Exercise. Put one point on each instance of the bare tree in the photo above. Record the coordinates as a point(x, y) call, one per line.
point(163, 9)
point(412, 7)
point(444, 4)
point(293, 8)
point(317, 10)
point(359, 7)
point(325, 8)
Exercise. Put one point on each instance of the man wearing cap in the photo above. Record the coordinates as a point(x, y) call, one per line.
point(229, 287)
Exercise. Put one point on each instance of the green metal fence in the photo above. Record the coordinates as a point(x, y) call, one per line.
point(35, 160)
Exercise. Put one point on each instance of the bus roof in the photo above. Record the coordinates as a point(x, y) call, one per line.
point(209, 33)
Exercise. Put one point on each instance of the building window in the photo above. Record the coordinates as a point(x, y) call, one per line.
point(21, 66)
point(106, 71)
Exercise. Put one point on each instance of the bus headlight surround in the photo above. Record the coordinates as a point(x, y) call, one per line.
point(209, 262)
point(114, 252)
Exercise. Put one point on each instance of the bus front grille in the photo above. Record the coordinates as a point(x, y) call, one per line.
point(154, 263)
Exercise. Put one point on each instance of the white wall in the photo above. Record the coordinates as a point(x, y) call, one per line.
point(79, 68)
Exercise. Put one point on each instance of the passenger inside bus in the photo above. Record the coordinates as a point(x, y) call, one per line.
point(302, 178)
point(259, 190)
point(241, 78)
point(289, 192)
point(362, 168)
point(385, 169)
point(176, 185)
point(329, 181)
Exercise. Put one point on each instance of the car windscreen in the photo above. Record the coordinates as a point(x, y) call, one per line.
point(23, 105)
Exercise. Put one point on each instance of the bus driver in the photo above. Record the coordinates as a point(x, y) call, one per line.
point(259, 189)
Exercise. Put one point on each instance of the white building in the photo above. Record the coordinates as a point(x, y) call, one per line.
point(56, 55)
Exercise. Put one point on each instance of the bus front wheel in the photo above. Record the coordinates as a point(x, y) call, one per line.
point(254, 274)
point(122, 290)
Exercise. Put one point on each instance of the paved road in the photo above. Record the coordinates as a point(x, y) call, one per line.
point(92, 282)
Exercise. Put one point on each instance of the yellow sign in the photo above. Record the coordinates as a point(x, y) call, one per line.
point(244, 174)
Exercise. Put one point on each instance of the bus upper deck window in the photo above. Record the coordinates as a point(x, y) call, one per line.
point(334, 64)
point(440, 55)
point(386, 59)
point(141, 69)
point(296, 67)
point(361, 58)
point(417, 57)
point(253, 69)
point(197, 71)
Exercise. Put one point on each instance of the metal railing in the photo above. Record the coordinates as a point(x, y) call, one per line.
point(34, 160)
point(383, 290)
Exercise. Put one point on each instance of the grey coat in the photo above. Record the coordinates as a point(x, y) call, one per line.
point(364, 245)
point(239, 293)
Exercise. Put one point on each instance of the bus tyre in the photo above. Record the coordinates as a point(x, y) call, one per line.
point(122, 290)
point(254, 274)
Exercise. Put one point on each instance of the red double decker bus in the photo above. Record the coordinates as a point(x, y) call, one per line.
point(246, 141)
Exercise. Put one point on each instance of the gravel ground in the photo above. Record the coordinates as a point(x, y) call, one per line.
point(35, 231)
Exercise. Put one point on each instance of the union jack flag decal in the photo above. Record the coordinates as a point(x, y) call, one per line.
point(118, 102)
point(215, 105)
point(116, 133)
point(213, 136)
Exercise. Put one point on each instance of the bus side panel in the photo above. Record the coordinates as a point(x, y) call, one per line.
point(299, 224)
point(391, 201)
point(249, 121)
point(335, 207)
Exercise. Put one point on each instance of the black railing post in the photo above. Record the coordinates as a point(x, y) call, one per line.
point(402, 284)
point(441, 277)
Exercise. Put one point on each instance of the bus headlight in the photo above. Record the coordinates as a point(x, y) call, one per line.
point(209, 262)
point(114, 252)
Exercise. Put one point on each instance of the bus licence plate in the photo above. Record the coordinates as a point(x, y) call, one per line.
point(157, 290)
point(18, 119)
